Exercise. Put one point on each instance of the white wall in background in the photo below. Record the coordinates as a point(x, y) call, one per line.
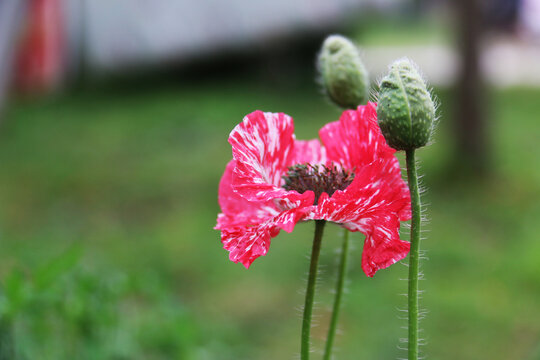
point(119, 32)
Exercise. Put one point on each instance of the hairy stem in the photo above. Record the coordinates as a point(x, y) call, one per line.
point(413, 256)
point(342, 270)
point(310, 291)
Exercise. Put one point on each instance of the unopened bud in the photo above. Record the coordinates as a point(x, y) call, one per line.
point(405, 110)
point(343, 73)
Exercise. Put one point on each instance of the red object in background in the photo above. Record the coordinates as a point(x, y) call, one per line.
point(39, 59)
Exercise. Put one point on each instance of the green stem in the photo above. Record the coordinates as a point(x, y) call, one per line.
point(413, 256)
point(337, 299)
point(310, 291)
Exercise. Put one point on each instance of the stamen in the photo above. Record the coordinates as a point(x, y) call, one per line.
point(317, 178)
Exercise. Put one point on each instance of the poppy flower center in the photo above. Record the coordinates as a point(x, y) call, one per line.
point(317, 178)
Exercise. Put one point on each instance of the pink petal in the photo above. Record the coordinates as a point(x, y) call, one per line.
point(373, 204)
point(237, 211)
point(309, 151)
point(355, 140)
point(245, 244)
point(263, 147)
point(382, 246)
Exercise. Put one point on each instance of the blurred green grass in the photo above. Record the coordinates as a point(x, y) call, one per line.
point(130, 177)
point(403, 30)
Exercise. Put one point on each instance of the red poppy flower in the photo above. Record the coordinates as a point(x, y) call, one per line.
point(274, 181)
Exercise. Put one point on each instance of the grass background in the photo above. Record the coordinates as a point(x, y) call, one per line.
point(108, 199)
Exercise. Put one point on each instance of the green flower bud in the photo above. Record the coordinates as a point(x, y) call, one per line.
point(343, 74)
point(405, 110)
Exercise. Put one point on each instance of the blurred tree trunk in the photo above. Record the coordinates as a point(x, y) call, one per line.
point(418, 6)
point(470, 123)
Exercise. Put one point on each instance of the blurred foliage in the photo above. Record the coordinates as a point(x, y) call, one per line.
point(63, 311)
point(399, 30)
point(123, 182)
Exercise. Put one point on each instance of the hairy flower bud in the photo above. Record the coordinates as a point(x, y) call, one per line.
point(405, 110)
point(344, 76)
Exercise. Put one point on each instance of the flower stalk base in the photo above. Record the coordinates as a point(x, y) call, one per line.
point(342, 270)
point(413, 255)
point(310, 291)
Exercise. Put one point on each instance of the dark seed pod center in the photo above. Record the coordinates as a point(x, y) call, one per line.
point(317, 178)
